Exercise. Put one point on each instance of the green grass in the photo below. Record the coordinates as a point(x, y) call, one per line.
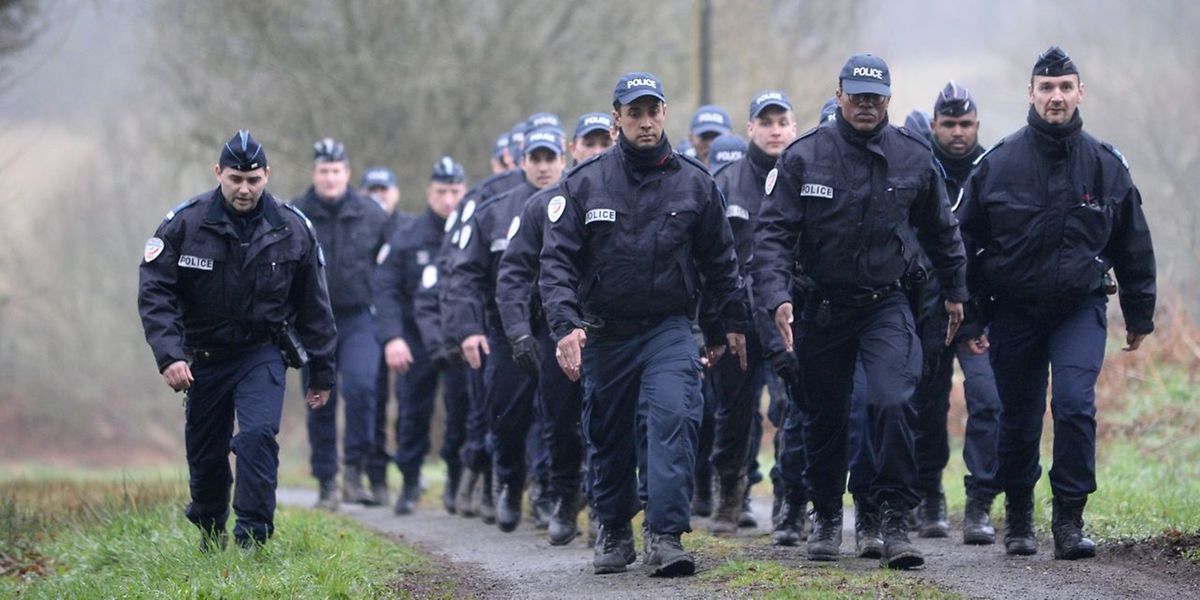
point(774, 580)
point(130, 540)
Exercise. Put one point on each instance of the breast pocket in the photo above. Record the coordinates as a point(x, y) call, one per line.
point(1013, 211)
point(274, 273)
point(677, 219)
point(1089, 225)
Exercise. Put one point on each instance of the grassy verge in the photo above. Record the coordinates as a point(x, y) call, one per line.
point(130, 540)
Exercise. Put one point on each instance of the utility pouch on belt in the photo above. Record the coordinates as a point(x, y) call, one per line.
point(288, 342)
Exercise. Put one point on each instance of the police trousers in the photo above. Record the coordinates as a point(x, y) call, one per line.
point(247, 388)
point(643, 390)
point(358, 367)
point(511, 394)
point(1069, 349)
point(562, 403)
point(883, 336)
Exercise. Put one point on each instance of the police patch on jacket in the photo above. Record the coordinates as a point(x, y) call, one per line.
point(154, 247)
point(600, 214)
point(422, 257)
point(772, 177)
point(816, 190)
point(195, 262)
point(384, 250)
point(514, 227)
point(555, 209)
point(499, 245)
point(464, 237)
point(468, 210)
point(734, 211)
point(450, 221)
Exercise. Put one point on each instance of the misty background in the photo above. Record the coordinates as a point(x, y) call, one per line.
point(113, 111)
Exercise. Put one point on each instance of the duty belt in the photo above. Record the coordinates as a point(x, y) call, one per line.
point(856, 298)
point(622, 327)
point(218, 353)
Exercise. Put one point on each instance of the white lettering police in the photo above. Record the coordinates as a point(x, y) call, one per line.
point(768, 96)
point(541, 137)
point(868, 72)
point(597, 120)
point(195, 262)
point(600, 214)
point(641, 82)
point(816, 190)
point(725, 156)
point(710, 117)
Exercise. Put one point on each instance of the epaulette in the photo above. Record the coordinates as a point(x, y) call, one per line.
point(1116, 153)
point(307, 223)
point(181, 206)
point(988, 151)
point(915, 136)
point(695, 161)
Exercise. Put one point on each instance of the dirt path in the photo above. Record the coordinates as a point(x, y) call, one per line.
point(522, 565)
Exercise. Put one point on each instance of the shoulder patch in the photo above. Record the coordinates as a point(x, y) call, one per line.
point(465, 237)
point(772, 177)
point(179, 207)
point(554, 210)
point(987, 152)
point(429, 276)
point(1117, 153)
point(513, 227)
point(468, 210)
point(154, 247)
point(384, 251)
point(734, 211)
point(450, 221)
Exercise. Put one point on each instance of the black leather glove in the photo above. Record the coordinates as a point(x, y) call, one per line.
point(525, 354)
point(787, 366)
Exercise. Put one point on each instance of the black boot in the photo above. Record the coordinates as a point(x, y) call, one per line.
point(327, 496)
point(1067, 525)
point(352, 485)
point(702, 502)
point(508, 506)
point(449, 497)
point(614, 549)
point(564, 523)
point(1019, 538)
point(789, 526)
point(977, 522)
point(379, 494)
point(868, 540)
point(931, 514)
point(746, 516)
point(541, 503)
point(467, 483)
point(487, 505)
point(666, 557)
point(407, 499)
point(825, 541)
point(729, 502)
point(898, 552)
point(777, 491)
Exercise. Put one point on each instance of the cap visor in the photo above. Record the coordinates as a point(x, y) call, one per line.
point(851, 86)
point(590, 128)
point(782, 105)
point(630, 96)
point(540, 144)
point(709, 128)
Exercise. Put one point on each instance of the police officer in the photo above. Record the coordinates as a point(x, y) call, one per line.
point(1047, 211)
point(407, 267)
point(771, 127)
point(380, 185)
point(850, 203)
point(500, 160)
point(227, 274)
point(528, 333)
point(510, 389)
point(708, 123)
point(630, 234)
point(724, 150)
point(956, 146)
point(352, 231)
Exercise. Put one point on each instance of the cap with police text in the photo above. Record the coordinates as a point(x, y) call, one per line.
point(711, 119)
point(954, 101)
point(329, 150)
point(445, 170)
point(866, 74)
point(725, 149)
point(1054, 62)
point(243, 152)
point(592, 122)
point(829, 110)
point(542, 119)
point(769, 98)
point(549, 138)
point(516, 135)
point(501, 145)
point(632, 86)
point(378, 177)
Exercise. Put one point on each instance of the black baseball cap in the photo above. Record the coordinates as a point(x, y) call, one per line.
point(866, 74)
point(767, 98)
point(632, 86)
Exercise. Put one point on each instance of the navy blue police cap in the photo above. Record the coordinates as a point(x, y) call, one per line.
point(829, 110)
point(1054, 62)
point(446, 170)
point(378, 177)
point(767, 98)
point(632, 86)
point(590, 122)
point(329, 150)
point(866, 74)
point(516, 136)
point(548, 137)
point(711, 119)
point(954, 101)
point(725, 149)
point(542, 119)
point(918, 121)
point(243, 153)
point(501, 145)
